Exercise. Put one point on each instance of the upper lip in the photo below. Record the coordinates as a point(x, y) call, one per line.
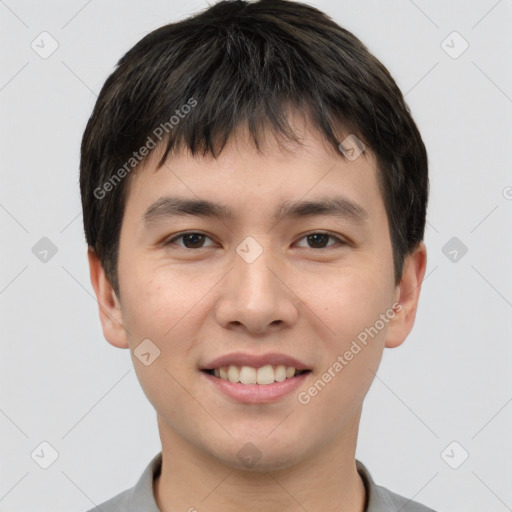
point(255, 361)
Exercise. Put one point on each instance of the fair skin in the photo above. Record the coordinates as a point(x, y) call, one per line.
point(197, 299)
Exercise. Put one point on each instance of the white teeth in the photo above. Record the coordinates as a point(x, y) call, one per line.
point(267, 374)
point(290, 372)
point(280, 373)
point(247, 375)
point(233, 374)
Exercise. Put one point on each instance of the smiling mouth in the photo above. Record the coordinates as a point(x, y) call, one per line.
point(263, 375)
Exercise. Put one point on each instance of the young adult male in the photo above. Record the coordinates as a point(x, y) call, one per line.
point(254, 195)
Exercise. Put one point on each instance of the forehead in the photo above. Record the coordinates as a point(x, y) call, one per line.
point(245, 181)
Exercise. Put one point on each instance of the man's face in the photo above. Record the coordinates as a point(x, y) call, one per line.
point(255, 284)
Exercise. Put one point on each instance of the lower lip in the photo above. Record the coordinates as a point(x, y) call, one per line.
point(257, 393)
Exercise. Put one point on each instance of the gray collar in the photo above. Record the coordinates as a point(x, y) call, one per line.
point(141, 497)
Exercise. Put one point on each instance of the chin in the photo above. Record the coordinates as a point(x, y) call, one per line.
point(261, 453)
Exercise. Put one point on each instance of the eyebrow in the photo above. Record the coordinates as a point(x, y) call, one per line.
point(174, 206)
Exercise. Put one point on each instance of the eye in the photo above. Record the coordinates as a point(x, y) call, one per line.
point(195, 240)
point(319, 239)
point(191, 239)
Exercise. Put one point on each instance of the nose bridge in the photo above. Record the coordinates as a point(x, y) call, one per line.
point(254, 294)
point(254, 272)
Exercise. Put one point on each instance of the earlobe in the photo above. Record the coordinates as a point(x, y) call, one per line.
point(108, 303)
point(408, 294)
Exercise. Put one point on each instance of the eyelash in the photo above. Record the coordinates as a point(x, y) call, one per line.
point(170, 241)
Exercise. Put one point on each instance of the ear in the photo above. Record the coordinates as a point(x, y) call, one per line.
point(109, 305)
point(407, 295)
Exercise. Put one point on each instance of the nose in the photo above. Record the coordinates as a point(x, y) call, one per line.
point(255, 296)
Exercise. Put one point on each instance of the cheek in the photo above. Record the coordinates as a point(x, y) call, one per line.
point(166, 308)
point(351, 358)
point(152, 303)
point(155, 312)
point(351, 302)
point(353, 341)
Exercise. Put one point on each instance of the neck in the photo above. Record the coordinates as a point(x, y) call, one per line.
point(325, 480)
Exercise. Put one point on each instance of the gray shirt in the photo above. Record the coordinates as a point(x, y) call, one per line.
point(140, 497)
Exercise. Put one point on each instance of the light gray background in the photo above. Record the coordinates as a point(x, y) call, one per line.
point(62, 383)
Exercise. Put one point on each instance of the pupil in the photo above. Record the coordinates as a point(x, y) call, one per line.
point(193, 236)
point(314, 238)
